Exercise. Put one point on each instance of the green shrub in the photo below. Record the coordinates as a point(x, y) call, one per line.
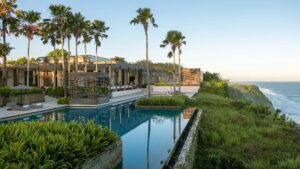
point(215, 87)
point(51, 144)
point(55, 91)
point(63, 100)
point(5, 91)
point(161, 101)
point(162, 84)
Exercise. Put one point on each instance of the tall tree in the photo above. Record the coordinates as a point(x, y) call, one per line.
point(8, 12)
point(60, 15)
point(4, 51)
point(171, 40)
point(180, 40)
point(78, 26)
point(145, 17)
point(29, 28)
point(87, 38)
point(48, 33)
point(98, 29)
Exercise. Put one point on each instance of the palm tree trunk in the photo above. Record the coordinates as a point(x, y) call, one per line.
point(147, 64)
point(69, 50)
point(28, 62)
point(179, 70)
point(96, 58)
point(85, 65)
point(76, 57)
point(4, 74)
point(63, 65)
point(174, 70)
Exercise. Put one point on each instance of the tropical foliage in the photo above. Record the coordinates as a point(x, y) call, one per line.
point(118, 59)
point(51, 144)
point(63, 100)
point(145, 18)
point(208, 76)
point(21, 61)
point(8, 17)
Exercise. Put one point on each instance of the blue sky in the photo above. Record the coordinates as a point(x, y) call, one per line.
point(241, 39)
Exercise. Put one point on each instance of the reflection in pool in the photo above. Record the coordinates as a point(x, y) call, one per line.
point(148, 136)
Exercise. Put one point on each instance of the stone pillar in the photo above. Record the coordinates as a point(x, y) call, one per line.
point(34, 77)
point(136, 80)
point(110, 73)
point(125, 76)
point(120, 77)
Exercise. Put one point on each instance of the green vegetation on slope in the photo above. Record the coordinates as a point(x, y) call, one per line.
point(25, 145)
point(249, 93)
point(235, 134)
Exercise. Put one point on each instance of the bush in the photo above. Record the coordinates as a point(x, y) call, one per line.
point(55, 91)
point(5, 91)
point(51, 144)
point(215, 87)
point(162, 84)
point(161, 101)
point(34, 90)
point(63, 100)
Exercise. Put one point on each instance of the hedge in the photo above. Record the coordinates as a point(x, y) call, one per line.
point(7, 91)
point(51, 144)
point(179, 100)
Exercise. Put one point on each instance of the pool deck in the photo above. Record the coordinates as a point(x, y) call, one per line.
point(51, 105)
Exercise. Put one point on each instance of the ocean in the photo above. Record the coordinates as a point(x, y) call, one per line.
point(284, 96)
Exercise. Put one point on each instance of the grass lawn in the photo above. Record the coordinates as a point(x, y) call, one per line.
point(236, 134)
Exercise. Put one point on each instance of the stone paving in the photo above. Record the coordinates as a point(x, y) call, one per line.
point(49, 104)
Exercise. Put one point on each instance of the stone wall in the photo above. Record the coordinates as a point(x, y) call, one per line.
point(191, 77)
point(108, 159)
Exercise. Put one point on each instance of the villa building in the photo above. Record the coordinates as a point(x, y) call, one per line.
point(47, 72)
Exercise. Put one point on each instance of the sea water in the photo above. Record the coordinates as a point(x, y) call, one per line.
point(284, 96)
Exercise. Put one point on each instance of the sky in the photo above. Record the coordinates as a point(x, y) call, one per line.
point(243, 40)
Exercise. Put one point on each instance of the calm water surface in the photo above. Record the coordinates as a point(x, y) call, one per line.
point(148, 136)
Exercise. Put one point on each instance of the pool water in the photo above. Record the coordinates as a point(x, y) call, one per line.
point(148, 136)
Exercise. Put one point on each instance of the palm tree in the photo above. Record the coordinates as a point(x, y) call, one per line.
point(8, 10)
point(60, 15)
point(87, 38)
point(4, 51)
point(48, 33)
point(78, 26)
point(171, 41)
point(98, 29)
point(145, 17)
point(180, 41)
point(29, 28)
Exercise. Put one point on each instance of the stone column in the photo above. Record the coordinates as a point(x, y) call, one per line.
point(136, 80)
point(120, 77)
point(126, 77)
point(110, 73)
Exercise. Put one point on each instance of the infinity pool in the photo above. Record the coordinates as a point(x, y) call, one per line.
point(148, 136)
